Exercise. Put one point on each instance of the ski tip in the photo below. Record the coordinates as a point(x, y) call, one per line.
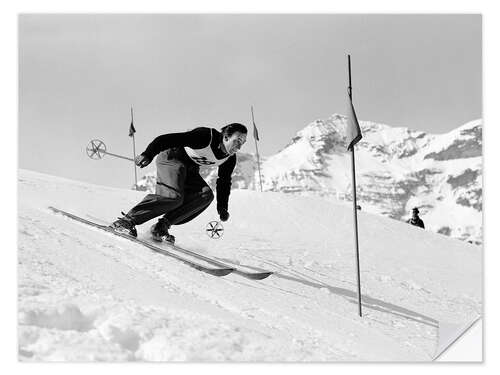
point(257, 276)
point(264, 275)
point(222, 271)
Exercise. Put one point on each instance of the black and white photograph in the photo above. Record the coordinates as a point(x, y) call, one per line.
point(249, 188)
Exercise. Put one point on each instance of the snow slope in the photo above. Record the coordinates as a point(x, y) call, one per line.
point(86, 295)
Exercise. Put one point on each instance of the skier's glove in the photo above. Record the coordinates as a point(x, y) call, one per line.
point(223, 214)
point(142, 161)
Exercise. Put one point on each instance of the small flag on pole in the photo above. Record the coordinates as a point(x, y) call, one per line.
point(353, 130)
point(256, 137)
point(131, 130)
point(255, 132)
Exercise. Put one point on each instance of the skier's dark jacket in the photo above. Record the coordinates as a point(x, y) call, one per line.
point(416, 221)
point(196, 139)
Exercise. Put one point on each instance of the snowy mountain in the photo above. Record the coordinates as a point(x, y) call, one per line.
point(87, 295)
point(397, 169)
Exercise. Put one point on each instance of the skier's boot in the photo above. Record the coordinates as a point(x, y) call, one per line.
point(159, 231)
point(124, 225)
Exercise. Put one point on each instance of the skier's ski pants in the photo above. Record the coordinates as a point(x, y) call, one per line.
point(181, 193)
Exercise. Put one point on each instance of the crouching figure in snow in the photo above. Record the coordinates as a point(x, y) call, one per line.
point(181, 193)
point(415, 219)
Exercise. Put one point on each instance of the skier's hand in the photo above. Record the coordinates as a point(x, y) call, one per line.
point(142, 161)
point(223, 214)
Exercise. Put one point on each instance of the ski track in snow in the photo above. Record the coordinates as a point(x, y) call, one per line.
point(86, 295)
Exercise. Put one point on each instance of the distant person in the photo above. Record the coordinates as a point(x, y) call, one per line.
point(181, 193)
point(415, 219)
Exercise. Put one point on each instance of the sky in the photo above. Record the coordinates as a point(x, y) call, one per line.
point(80, 74)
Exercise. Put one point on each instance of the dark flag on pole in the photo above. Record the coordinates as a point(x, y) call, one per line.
point(255, 132)
point(131, 130)
point(256, 137)
point(353, 131)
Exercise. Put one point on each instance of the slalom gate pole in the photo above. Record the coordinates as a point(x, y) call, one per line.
point(257, 151)
point(133, 145)
point(354, 206)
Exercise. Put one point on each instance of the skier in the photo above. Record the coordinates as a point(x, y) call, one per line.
point(415, 219)
point(181, 193)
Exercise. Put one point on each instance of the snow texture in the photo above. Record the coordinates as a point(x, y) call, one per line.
point(86, 295)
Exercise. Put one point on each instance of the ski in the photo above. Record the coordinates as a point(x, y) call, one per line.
point(249, 275)
point(221, 270)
